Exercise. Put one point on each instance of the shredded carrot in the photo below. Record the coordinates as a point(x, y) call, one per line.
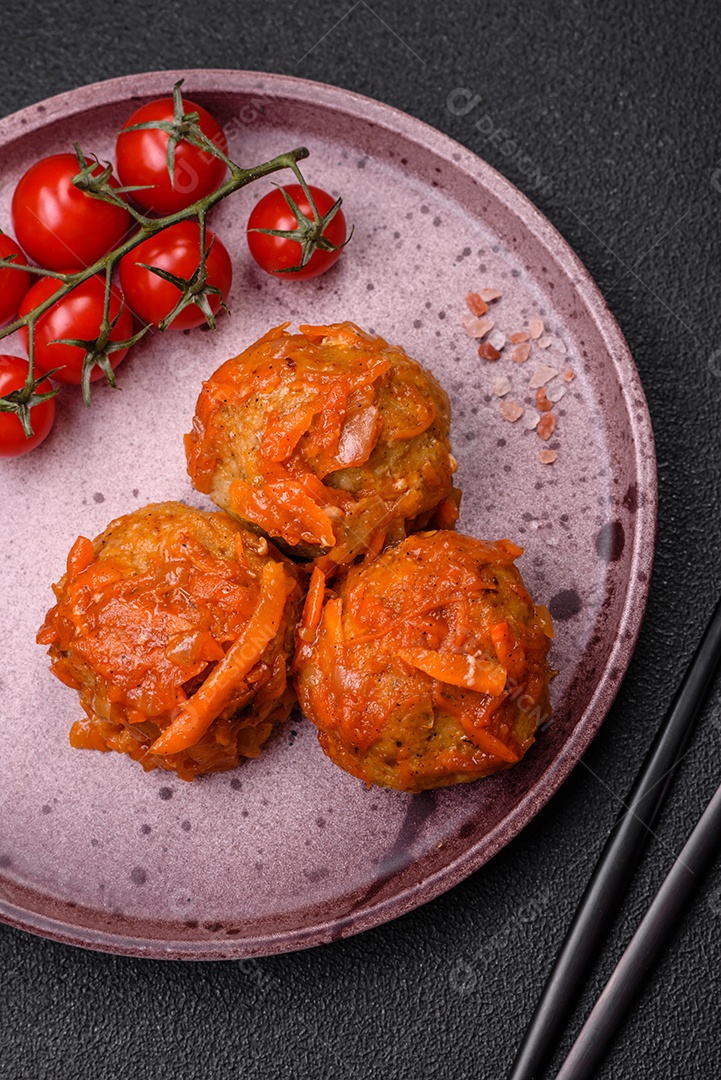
point(313, 609)
point(283, 431)
point(478, 709)
point(199, 712)
point(312, 485)
point(486, 741)
point(371, 611)
point(375, 543)
point(511, 550)
point(283, 509)
point(345, 333)
point(544, 617)
point(446, 516)
point(326, 435)
point(458, 669)
point(501, 638)
point(80, 557)
point(333, 621)
point(86, 736)
point(60, 667)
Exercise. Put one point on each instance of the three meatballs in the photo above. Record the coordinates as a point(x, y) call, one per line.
point(420, 656)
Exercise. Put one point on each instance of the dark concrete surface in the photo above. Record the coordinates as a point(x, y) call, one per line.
point(618, 105)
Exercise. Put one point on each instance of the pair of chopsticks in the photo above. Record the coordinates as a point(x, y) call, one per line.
point(607, 888)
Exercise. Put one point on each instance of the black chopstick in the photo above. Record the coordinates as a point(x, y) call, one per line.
point(607, 887)
point(656, 928)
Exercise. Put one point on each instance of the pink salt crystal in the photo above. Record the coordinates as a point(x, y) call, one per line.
point(554, 343)
point(535, 328)
point(476, 304)
point(475, 327)
point(546, 426)
point(542, 375)
point(487, 352)
point(501, 385)
point(510, 411)
point(521, 353)
point(556, 393)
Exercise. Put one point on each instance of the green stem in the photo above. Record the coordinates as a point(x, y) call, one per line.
point(150, 227)
point(239, 178)
point(30, 380)
point(105, 324)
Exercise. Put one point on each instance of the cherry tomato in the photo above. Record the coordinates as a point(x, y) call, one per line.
point(13, 440)
point(77, 315)
point(58, 226)
point(279, 253)
point(142, 159)
point(13, 283)
point(176, 250)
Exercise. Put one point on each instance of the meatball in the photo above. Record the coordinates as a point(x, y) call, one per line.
point(427, 666)
point(175, 627)
point(330, 442)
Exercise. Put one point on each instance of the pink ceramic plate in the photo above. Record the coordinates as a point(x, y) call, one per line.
point(289, 851)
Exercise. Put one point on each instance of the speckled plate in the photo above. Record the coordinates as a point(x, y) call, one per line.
point(289, 851)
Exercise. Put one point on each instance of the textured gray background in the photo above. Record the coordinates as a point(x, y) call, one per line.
point(617, 108)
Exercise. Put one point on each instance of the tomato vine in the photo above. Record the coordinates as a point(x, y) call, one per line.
point(193, 290)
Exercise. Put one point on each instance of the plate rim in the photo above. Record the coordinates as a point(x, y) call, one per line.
point(110, 91)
